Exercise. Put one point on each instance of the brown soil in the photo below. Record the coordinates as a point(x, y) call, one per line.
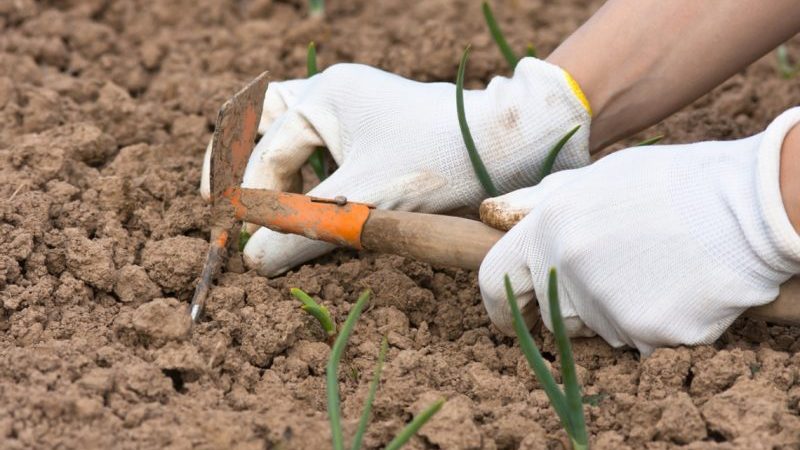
point(105, 109)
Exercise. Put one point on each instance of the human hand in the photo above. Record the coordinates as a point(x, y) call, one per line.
point(654, 246)
point(398, 145)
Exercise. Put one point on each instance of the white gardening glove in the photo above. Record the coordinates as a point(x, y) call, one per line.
point(654, 246)
point(398, 145)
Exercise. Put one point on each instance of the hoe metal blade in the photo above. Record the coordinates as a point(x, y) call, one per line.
point(231, 145)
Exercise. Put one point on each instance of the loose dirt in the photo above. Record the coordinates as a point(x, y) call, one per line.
point(105, 110)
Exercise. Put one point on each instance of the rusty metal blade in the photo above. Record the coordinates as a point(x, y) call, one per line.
point(234, 135)
point(231, 145)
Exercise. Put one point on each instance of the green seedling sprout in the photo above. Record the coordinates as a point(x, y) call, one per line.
point(567, 403)
point(332, 382)
point(650, 141)
point(474, 157)
point(319, 312)
point(317, 158)
point(332, 371)
point(244, 236)
point(530, 50)
point(311, 59)
point(417, 423)
point(785, 67)
point(550, 160)
point(316, 8)
point(500, 39)
point(373, 388)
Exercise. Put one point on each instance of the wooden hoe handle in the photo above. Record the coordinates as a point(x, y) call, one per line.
point(435, 239)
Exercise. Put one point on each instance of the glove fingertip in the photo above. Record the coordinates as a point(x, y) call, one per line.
point(272, 254)
point(501, 214)
point(505, 211)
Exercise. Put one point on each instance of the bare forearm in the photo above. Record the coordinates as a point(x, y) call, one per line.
point(790, 176)
point(639, 61)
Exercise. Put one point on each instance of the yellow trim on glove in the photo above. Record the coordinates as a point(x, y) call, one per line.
point(576, 90)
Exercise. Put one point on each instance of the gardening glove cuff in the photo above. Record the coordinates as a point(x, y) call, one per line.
point(655, 246)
